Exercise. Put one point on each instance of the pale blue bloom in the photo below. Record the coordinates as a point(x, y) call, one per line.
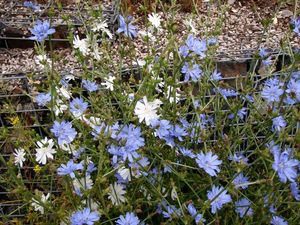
point(216, 75)
point(241, 113)
point(78, 152)
point(184, 51)
point(240, 181)
point(164, 129)
point(178, 132)
point(133, 137)
point(271, 206)
point(64, 132)
point(226, 92)
point(263, 52)
point(209, 163)
point(78, 107)
point(197, 46)
point(170, 211)
point(242, 207)
point(41, 31)
point(296, 23)
point(90, 168)
point(31, 5)
point(100, 129)
point(296, 75)
point(42, 99)
point(290, 101)
point(200, 47)
point(295, 191)
point(248, 98)
point(267, 61)
point(272, 91)
point(84, 217)
point(273, 82)
point(90, 86)
point(129, 219)
point(218, 197)
point(136, 166)
point(186, 152)
point(277, 220)
point(293, 89)
point(126, 27)
point(285, 167)
point(238, 157)
point(193, 212)
point(205, 121)
point(190, 42)
point(123, 153)
point(69, 168)
point(278, 123)
point(193, 72)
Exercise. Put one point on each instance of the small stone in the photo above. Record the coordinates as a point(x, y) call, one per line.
point(285, 13)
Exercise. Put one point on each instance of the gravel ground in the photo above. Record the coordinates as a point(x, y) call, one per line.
point(241, 30)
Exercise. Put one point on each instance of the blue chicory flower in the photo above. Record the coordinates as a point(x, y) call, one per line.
point(178, 132)
point(205, 121)
point(209, 163)
point(272, 90)
point(218, 197)
point(132, 135)
point(90, 168)
point(215, 76)
point(84, 217)
point(263, 52)
point(193, 212)
point(293, 89)
point(242, 207)
point(241, 113)
point(184, 51)
point(101, 128)
point(200, 47)
point(64, 132)
point(296, 24)
point(78, 107)
point(186, 152)
point(295, 191)
point(238, 157)
point(284, 165)
point(190, 42)
point(126, 27)
point(129, 219)
point(268, 203)
point(164, 129)
point(31, 5)
point(170, 211)
point(90, 86)
point(42, 99)
point(278, 123)
point(296, 74)
point(193, 72)
point(226, 92)
point(41, 31)
point(78, 152)
point(267, 61)
point(123, 153)
point(277, 220)
point(69, 168)
point(240, 181)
